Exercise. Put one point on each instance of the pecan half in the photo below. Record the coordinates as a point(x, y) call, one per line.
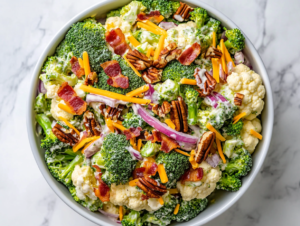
point(152, 75)
point(204, 146)
point(169, 53)
point(183, 12)
point(102, 108)
point(139, 60)
point(179, 115)
point(162, 110)
point(213, 52)
point(238, 99)
point(151, 187)
point(68, 136)
point(205, 82)
point(91, 78)
point(114, 113)
point(92, 127)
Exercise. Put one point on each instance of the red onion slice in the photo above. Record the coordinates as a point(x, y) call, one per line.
point(150, 94)
point(220, 97)
point(212, 100)
point(239, 58)
point(41, 87)
point(223, 36)
point(222, 74)
point(115, 216)
point(167, 25)
point(152, 121)
point(213, 160)
point(230, 67)
point(91, 98)
point(187, 146)
point(134, 153)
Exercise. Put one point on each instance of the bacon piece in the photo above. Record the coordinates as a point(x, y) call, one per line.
point(192, 175)
point(68, 94)
point(76, 69)
point(111, 68)
point(132, 132)
point(152, 16)
point(120, 81)
point(116, 39)
point(150, 168)
point(138, 173)
point(167, 143)
point(190, 54)
point(102, 192)
point(144, 197)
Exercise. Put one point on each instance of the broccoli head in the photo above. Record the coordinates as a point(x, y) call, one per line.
point(229, 183)
point(132, 219)
point(190, 209)
point(240, 165)
point(235, 41)
point(42, 104)
point(175, 165)
point(133, 120)
point(199, 15)
point(176, 71)
point(118, 162)
point(89, 36)
point(130, 11)
point(168, 90)
point(114, 13)
point(231, 129)
point(134, 80)
point(165, 7)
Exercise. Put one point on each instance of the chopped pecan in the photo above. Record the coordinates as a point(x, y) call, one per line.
point(205, 82)
point(68, 136)
point(91, 78)
point(152, 75)
point(204, 146)
point(238, 99)
point(168, 54)
point(213, 52)
point(139, 60)
point(162, 110)
point(179, 115)
point(102, 108)
point(92, 127)
point(183, 12)
point(151, 187)
point(114, 113)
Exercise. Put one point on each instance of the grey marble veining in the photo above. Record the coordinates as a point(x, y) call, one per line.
point(26, 29)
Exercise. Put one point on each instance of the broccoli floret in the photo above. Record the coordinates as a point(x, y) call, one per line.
point(133, 120)
point(191, 99)
point(229, 183)
point(166, 212)
point(134, 80)
point(57, 70)
point(199, 15)
point(118, 161)
point(92, 205)
point(231, 129)
point(88, 36)
point(50, 139)
point(144, 36)
point(132, 219)
point(190, 209)
point(176, 71)
point(175, 6)
point(165, 7)
point(235, 41)
point(240, 165)
point(151, 219)
point(42, 105)
point(98, 159)
point(175, 165)
point(114, 13)
point(168, 90)
point(230, 145)
point(150, 149)
point(130, 11)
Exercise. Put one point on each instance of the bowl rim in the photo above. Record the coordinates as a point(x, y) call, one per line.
point(31, 121)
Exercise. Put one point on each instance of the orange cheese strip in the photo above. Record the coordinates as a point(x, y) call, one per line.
point(160, 47)
point(220, 150)
point(162, 173)
point(156, 27)
point(224, 65)
point(139, 145)
point(149, 51)
point(66, 108)
point(151, 29)
point(109, 124)
point(227, 56)
point(138, 91)
point(133, 41)
point(86, 146)
point(216, 68)
point(256, 134)
point(187, 81)
point(182, 152)
point(214, 39)
point(69, 124)
point(176, 209)
point(132, 183)
point(238, 117)
point(192, 160)
point(121, 213)
point(80, 61)
point(170, 123)
point(161, 201)
point(86, 63)
point(117, 125)
point(212, 129)
point(132, 67)
point(84, 142)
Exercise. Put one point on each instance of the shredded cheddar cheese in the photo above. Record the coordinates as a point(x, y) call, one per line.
point(227, 56)
point(238, 117)
point(212, 129)
point(117, 125)
point(220, 150)
point(121, 213)
point(66, 108)
point(151, 29)
point(170, 123)
point(133, 41)
point(69, 124)
point(149, 51)
point(86, 146)
point(80, 61)
point(182, 152)
point(138, 91)
point(256, 134)
point(187, 81)
point(223, 56)
point(216, 69)
point(109, 124)
point(84, 142)
point(132, 183)
point(139, 145)
point(160, 47)
point(161, 201)
point(162, 173)
point(214, 39)
point(192, 160)
point(176, 209)
point(86, 63)
point(156, 27)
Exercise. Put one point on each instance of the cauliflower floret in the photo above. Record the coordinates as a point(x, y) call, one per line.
point(84, 181)
point(249, 140)
point(57, 112)
point(247, 82)
point(79, 91)
point(110, 208)
point(203, 188)
point(125, 195)
point(118, 22)
point(51, 90)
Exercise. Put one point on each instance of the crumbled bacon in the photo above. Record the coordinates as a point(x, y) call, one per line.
point(132, 132)
point(190, 54)
point(192, 175)
point(102, 192)
point(167, 143)
point(113, 70)
point(116, 40)
point(138, 173)
point(150, 168)
point(144, 197)
point(76, 68)
point(152, 16)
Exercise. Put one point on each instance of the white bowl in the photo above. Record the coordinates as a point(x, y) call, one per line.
point(223, 199)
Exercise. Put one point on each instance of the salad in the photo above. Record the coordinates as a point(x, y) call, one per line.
point(145, 116)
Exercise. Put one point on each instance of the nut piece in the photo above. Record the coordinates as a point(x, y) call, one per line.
point(114, 113)
point(151, 187)
point(139, 60)
point(68, 136)
point(162, 110)
point(152, 75)
point(238, 99)
point(205, 82)
point(102, 108)
point(204, 146)
point(179, 115)
point(93, 128)
point(91, 78)
point(213, 52)
point(183, 12)
point(168, 54)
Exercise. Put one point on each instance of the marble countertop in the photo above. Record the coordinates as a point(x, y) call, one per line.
point(26, 29)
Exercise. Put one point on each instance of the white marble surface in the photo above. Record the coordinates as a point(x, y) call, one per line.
point(26, 29)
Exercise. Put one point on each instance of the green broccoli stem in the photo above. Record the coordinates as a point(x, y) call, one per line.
point(192, 113)
point(77, 160)
point(45, 123)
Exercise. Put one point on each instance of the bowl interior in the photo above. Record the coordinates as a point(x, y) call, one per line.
point(223, 199)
